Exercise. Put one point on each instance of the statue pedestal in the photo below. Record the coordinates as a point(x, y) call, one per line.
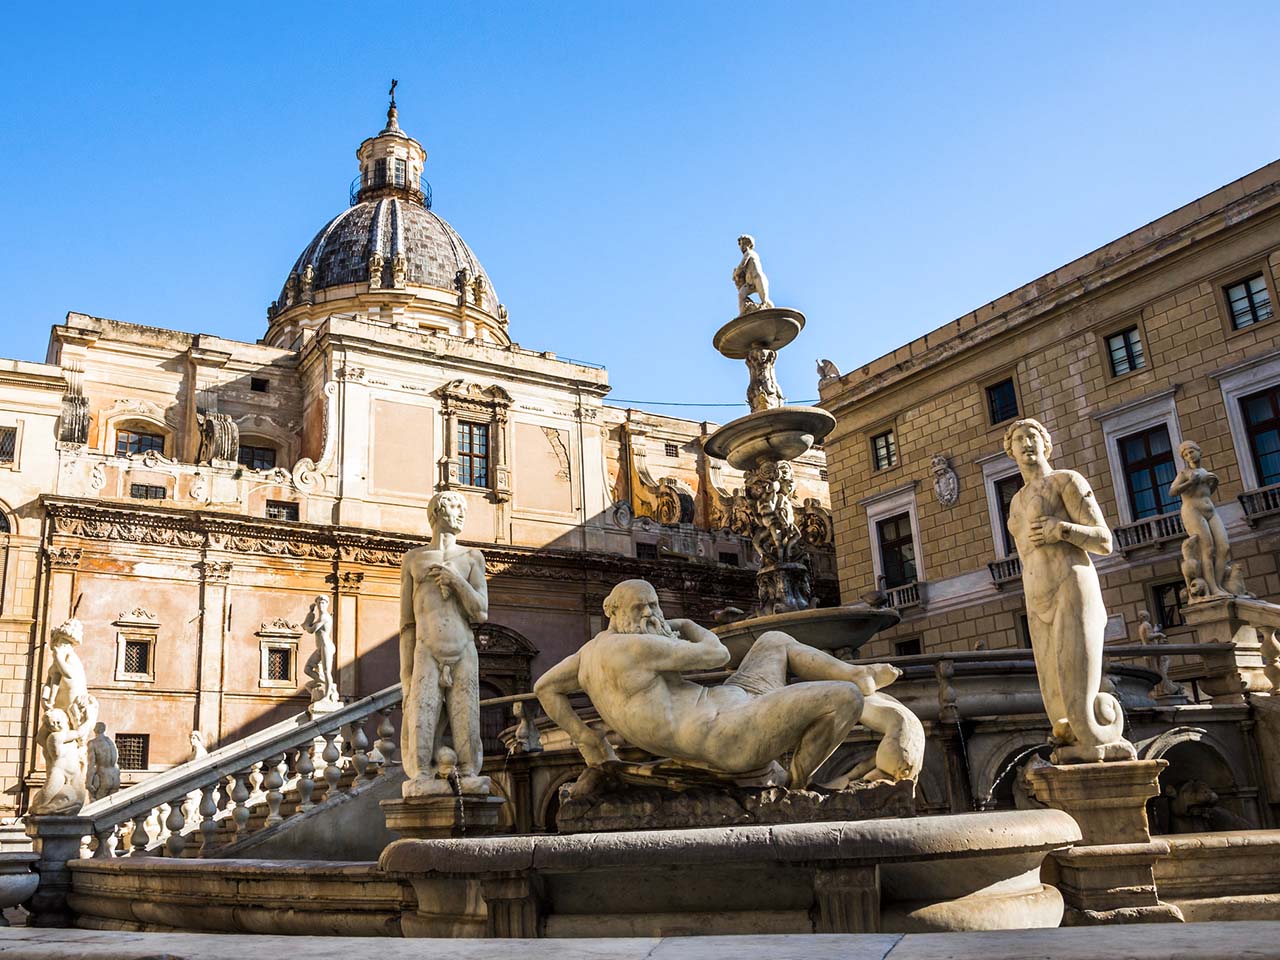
point(439, 816)
point(57, 839)
point(1108, 877)
point(1240, 621)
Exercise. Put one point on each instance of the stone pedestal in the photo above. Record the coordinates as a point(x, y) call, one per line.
point(1108, 877)
point(57, 840)
point(443, 815)
point(1244, 623)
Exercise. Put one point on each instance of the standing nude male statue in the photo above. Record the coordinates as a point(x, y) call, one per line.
point(749, 278)
point(1056, 524)
point(632, 673)
point(443, 595)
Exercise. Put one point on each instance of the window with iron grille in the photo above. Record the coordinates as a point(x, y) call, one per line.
point(1166, 605)
point(1262, 424)
point(671, 449)
point(279, 663)
point(259, 384)
point(137, 657)
point(646, 551)
point(473, 454)
point(8, 444)
point(907, 648)
point(1006, 487)
point(146, 491)
point(281, 510)
point(257, 458)
point(897, 550)
point(823, 475)
point(1249, 302)
point(1002, 401)
point(729, 558)
point(884, 450)
point(133, 441)
point(1148, 470)
point(134, 750)
point(1124, 349)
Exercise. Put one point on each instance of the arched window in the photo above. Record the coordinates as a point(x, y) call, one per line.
point(133, 437)
point(257, 453)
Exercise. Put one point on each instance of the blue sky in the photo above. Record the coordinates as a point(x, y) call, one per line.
point(899, 164)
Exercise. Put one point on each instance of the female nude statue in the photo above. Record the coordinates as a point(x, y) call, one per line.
point(1196, 486)
point(1056, 523)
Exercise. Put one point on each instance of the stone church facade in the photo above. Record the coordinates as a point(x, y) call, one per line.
point(187, 497)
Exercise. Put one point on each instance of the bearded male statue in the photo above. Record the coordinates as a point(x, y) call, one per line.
point(740, 729)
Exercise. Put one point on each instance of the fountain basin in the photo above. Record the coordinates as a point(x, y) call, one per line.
point(783, 433)
point(772, 328)
point(826, 628)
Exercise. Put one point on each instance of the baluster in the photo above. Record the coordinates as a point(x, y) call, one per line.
point(255, 778)
point(240, 797)
point(138, 839)
point(331, 755)
point(272, 783)
point(208, 818)
point(306, 776)
point(175, 822)
point(156, 824)
point(387, 737)
point(104, 849)
point(359, 755)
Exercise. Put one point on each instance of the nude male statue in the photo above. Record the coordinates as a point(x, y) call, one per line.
point(103, 771)
point(1056, 523)
point(442, 596)
point(632, 673)
point(749, 278)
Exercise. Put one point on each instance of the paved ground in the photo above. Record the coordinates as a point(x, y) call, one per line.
point(1191, 941)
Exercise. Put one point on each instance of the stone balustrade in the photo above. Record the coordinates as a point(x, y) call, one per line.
point(1261, 503)
point(1006, 571)
point(1152, 532)
point(907, 595)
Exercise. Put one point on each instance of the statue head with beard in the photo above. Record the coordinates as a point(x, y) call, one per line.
point(632, 608)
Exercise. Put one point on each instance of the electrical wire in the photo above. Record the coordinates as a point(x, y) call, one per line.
point(613, 401)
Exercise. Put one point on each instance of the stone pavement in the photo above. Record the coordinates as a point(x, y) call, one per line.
point(1191, 941)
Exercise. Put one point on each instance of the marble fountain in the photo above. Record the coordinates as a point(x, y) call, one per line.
point(703, 809)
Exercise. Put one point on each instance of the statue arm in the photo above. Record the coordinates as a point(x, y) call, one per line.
point(696, 648)
point(1087, 529)
point(475, 595)
point(1180, 483)
point(552, 690)
point(408, 625)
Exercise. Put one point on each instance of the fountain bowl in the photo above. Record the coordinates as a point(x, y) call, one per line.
point(826, 628)
point(783, 433)
point(771, 327)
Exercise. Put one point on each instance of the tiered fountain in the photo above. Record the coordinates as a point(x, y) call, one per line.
point(763, 445)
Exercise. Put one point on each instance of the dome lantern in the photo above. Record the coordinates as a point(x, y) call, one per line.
point(391, 164)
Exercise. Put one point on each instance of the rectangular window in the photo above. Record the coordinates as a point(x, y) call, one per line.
point(1166, 608)
point(137, 656)
point(473, 454)
point(824, 476)
point(131, 441)
point(1002, 401)
point(730, 559)
point(1006, 487)
point(257, 458)
point(906, 648)
point(671, 449)
point(1149, 468)
point(379, 172)
point(1124, 349)
point(884, 450)
point(259, 384)
point(146, 491)
point(401, 173)
point(646, 551)
point(281, 510)
point(1249, 302)
point(8, 444)
point(897, 550)
point(1262, 424)
point(134, 749)
point(280, 664)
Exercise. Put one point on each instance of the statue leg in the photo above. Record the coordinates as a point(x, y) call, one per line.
point(1045, 649)
point(464, 713)
point(1207, 544)
point(422, 704)
point(900, 755)
point(809, 663)
point(1221, 550)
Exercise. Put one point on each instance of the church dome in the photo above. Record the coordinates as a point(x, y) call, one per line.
point(389, 257)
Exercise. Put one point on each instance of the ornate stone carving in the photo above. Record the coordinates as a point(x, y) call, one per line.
point(946, 485)
point(1206, 553)
point(477, 291)
point(138, 616)
point(308, 474)
point(97, 477)
point(827, 371)
point(215, 571)
point(442, 595)
point(307, 279)
point(1151, 634)
point(291, 290)
point(675, 502)
point(503, 317)
point(399, 271)
point(815, 524)
point(73, 422)
point(64, 558)
point(1056, 523)
point(462, 283)
point(737, 731)
point(103, 768)
point(763, 392)
point(749, 278)
point(556, 439)
point(375, 270)
point(70, 713)
point(219, 439)
point(349, 581)
point(490, 405)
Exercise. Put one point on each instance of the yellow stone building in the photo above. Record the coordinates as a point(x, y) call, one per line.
point(1167, 334)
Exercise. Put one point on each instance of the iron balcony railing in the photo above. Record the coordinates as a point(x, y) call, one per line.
point(420, 191)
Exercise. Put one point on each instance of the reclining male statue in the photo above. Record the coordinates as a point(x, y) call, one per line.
point(632, 673)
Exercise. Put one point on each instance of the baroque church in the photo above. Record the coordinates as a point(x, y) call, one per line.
point(188, 497)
